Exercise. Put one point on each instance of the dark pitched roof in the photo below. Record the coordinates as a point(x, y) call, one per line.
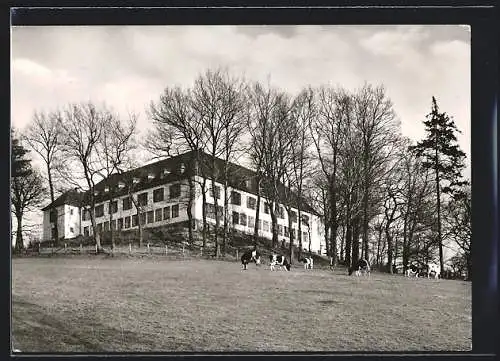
point(72, 197)
point(180, 167)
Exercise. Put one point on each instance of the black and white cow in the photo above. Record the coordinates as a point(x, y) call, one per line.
point(361, 267)
point(279, 260)
point(308, 262)
point(250, 256)
point(433, 270)
point(412, 271)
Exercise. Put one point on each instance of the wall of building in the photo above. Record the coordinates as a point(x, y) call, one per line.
point(156, 211)
point(71, 221)
point(48, 225)
point(314, 233)
point(159, 210)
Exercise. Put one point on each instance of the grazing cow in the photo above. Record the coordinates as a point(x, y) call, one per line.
point(412, 271)
point(308, 262)
point(250, 256)
point(360, 267)
point(279, 260)
point(434, 269)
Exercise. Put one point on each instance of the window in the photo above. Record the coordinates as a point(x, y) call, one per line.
point(293, 216)
point(305, 219)
point(127, 222)
point(142, 199)
point(120, 223)
point(150, 217)
point(71, 230)
point(251, 202)
point(217, 192)
point(175, 211)
point(71, 212)
point(158, 215)
point(236, 218)
point(285, 232)
point(134, 220)
point(142, 217)
point(280, 229)
point(106, 226)
point(175, 191)
point(265, 226)
point(266, 208)
point(259, 226)
point(86, 231)
point(251, 222)
point(113, 207)
point(113, 225)
point(99, 227)
point(158, 195)
point(84, 214)
point(235, 198)
point(166, 213)
point(99, 210)
point(127, 203)
point(243, 219)
point(53, 215)
point(280, 212)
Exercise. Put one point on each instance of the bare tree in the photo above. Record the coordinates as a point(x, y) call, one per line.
point(83, 127)
point(114, 149)
point(376, 122)
point(219, 105)
point(43, 136)
point(178, 128)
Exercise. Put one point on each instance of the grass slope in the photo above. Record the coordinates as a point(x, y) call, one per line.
point(91, 304)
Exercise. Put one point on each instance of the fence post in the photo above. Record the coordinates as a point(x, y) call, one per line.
point(201, 251)
point(96, 248)
point(81, 248)
point(182, 249)
point(38, 247)
point(166, 250)
point(65, 248)
point(218, 251)
point(129, 247)
point(149, 251)
point(236, 253)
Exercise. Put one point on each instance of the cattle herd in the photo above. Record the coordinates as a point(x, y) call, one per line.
point(359, 268)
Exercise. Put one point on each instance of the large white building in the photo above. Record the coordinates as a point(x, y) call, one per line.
point(162, 191)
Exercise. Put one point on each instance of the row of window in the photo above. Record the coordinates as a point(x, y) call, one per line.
point(157, 215)
point(235, 198)
point(142, 200)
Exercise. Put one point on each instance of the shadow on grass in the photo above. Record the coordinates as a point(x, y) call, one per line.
point(55, 335)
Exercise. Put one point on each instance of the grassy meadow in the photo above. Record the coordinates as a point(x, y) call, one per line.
point(96, 304)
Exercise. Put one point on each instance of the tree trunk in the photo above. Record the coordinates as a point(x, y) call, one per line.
point(217, 220)
point(226, 218)
point(204, 213)
point(257, 214)
point(189, 209)
point(289, 211)
point(52, 199)
point(438, 198)
point(355, 239)
point(348, 242)
point(274, 223)
point(333, 223)
point(19, 234)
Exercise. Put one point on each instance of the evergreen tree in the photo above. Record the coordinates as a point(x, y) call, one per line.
point(441, 153)
point(26, 187)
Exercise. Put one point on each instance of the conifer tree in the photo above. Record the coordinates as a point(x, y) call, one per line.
point(441, 153)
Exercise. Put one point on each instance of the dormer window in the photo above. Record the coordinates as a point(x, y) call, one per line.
point(96, 193)
point(165, 172)
point(106, 189)
point(151, 176)
point(136, 180)
point(248, 183)
point(182, 168)
point(121, 185)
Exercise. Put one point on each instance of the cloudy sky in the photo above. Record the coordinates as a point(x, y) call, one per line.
point(128, 66)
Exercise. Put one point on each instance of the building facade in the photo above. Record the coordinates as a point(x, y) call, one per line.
point(162, 191)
